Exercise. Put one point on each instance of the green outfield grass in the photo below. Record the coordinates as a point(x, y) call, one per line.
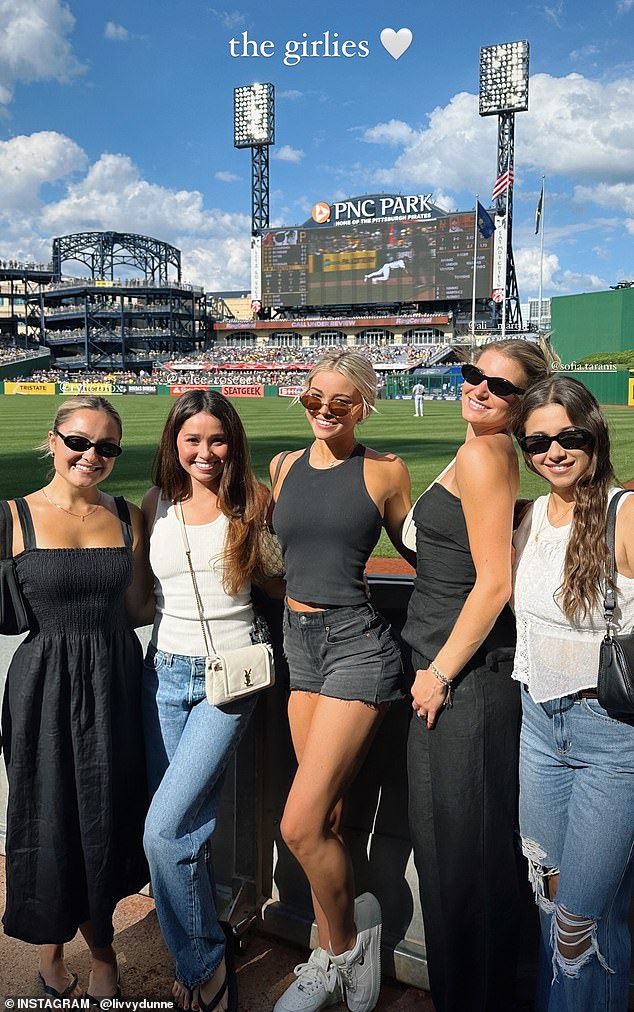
point(272, 424)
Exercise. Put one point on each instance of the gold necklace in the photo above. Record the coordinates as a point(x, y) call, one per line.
point(336, 461)
point(546, 519)
point(81, 516)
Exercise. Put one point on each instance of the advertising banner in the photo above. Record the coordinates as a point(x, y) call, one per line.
point(499, 254)
point(28, 387)
point(253, 390)
point(85, 387)
point(630, 392)
point(179, 388)
point(141, 388)
point(289, 391)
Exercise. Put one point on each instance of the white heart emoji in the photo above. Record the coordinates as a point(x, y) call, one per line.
point(396, 42)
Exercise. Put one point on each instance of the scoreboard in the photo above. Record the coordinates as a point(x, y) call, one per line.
point(413, 260)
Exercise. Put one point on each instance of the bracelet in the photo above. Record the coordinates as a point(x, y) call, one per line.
point(446, 682)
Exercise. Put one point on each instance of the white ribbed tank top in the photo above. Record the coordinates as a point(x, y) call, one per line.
point(177, 628)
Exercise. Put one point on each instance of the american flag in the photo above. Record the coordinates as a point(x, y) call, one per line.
point(502, 183)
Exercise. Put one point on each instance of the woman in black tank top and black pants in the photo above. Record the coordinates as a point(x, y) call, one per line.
point(464, 738)
point(331, 502)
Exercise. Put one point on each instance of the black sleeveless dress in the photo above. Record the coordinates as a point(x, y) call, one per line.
point(72, 734)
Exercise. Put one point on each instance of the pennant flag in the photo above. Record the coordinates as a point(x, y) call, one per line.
point(486, 225)
point(538, 210)
point(502, 183)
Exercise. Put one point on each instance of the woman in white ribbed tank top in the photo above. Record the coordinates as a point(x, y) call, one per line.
point(203, 464)
point(576, 762)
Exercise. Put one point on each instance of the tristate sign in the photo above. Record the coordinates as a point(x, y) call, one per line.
point(386, 206)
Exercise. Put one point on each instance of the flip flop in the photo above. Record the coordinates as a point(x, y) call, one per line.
point(106, 997)
point(54, 993)
point(230, 983)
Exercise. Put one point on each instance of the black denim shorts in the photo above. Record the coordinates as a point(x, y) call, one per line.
point(346, 653)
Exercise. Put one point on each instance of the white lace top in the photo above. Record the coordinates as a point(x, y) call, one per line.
point(553, 657)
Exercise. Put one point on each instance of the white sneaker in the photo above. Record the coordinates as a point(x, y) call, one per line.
point(359, 969)
point(317, 985)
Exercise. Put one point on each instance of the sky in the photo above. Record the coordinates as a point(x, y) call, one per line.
point(119, 116)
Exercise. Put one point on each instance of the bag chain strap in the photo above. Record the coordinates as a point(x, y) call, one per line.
point(209, 646)
point(609, 598)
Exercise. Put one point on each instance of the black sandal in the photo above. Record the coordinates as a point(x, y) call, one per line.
point(52, 992)
point(230, 983)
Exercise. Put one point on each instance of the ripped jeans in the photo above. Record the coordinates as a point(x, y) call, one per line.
point(577, 821)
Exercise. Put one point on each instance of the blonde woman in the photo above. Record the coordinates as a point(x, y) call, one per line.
point(72, 706)
point(463, 740)
point(332, 501)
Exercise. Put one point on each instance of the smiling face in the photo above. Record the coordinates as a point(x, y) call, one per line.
point(487, 412)
point(87, 468)
point(560, 467)
point(328, 386)
point(202, 448)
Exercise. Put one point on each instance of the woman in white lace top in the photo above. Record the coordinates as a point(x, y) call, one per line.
point(576, 762)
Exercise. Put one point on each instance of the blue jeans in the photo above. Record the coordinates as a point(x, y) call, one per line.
point(577, 820)
point(189, 744)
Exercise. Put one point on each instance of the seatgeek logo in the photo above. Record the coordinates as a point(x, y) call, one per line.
point(371, 207)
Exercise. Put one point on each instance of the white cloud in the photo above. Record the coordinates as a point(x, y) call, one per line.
point(617, 195)
point(575, 126)
point(34, 44)
point(291, 93)
point(394, 132)
point(227, 177)
point(115, 33)
point(27, 162)
point(288, 154)
point(229, 19)
point(555, 281)
point(624, 6)
point(554, 13)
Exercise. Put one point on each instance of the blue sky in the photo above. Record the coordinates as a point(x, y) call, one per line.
point(118, 115)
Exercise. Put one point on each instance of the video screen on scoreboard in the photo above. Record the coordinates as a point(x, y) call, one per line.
point(401, 261)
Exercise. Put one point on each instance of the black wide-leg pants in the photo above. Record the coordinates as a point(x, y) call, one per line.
point(463, 785)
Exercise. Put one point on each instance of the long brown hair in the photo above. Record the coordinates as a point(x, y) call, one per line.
point(587, 560)
point(241, 497)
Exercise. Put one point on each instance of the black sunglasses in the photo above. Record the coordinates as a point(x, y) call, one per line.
point(79, 444)
point(568, 439)
point(497, 384)
point(336, 407)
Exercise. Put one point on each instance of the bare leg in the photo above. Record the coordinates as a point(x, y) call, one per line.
point(104, 974)
point(333, 737)
point(53, 969)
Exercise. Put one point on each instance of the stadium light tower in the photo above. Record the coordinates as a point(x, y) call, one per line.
point(503, 92)
point(254, 127)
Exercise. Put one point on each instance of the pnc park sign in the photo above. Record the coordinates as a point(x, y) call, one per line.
point(382, 207)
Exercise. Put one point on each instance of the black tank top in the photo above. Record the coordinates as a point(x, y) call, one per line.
point(328, 526)
point(445, 575)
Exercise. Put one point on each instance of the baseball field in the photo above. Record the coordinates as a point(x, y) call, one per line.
point(272, 424)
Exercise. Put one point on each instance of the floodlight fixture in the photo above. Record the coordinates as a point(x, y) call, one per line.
point(504, 78)
point(254, 115)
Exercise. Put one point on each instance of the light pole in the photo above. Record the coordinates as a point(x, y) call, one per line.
point(254, 127)
point(503, 92)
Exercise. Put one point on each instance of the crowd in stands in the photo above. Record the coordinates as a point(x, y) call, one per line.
point(216, 365)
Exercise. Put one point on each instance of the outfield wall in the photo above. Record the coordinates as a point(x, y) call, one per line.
point(609, 386)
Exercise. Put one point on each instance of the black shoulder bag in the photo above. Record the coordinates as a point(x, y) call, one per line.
point(615, 684)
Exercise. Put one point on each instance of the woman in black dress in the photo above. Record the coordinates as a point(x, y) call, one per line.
point(71, 722)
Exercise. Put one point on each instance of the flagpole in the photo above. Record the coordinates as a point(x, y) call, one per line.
point(541, 257)
point(506, 250)
point(475, 255)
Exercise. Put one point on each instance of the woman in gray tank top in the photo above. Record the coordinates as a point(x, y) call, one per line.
point(331, 502)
